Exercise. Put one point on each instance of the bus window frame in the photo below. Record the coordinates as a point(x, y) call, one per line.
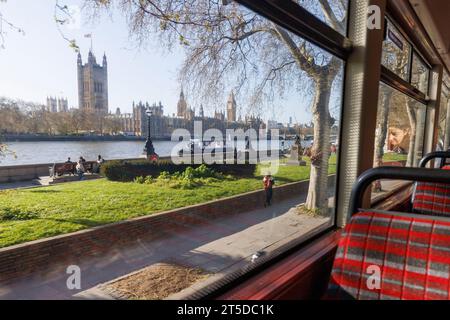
point(396, 82)
point(430, 56)
point(301, 22)
point(391, 79)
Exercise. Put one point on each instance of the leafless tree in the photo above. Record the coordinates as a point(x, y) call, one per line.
point(5, 26)
point(228, 46)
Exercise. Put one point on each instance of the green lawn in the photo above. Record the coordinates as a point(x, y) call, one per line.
point(36, 213)
point(392, 156)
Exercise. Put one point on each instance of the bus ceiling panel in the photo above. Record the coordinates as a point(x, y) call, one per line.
point(391, 79)
point(298, 20)
point(434, 15)
point(403, 13)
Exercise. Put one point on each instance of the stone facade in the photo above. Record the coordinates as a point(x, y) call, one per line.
point(63, 105)
point(162, 126)
point(231, 108)
point(51, 104)
point(57, 104)
point(181, 106)
point(92, 85)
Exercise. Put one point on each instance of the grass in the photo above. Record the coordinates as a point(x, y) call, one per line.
point(36, 213)
point(392, 156)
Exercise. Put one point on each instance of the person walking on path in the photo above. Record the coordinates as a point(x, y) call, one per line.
point(268, 182)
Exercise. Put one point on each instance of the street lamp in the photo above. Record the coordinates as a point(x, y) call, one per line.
point(149, 150)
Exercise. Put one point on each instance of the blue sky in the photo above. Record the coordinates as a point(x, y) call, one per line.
point(40, 63)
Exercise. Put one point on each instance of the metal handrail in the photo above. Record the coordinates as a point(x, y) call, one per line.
point(393, 173)
point(433, 155)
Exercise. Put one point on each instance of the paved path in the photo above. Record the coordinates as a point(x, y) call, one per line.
point(24, 184)
point(214, 247)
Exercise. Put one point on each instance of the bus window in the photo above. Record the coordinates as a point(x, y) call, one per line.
point(400, 131)
point(444, 109)
point(336, 8)
point(420, 74)
point(396, 52)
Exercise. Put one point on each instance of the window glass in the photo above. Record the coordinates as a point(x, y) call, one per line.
point(332, 12)
point(396, 52)
point(443, 129)
point(225, 81)
point(420, 74)
point(400, 129)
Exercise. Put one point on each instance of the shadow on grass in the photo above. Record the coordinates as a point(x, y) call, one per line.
point(44, 191)
point(90, 223)
point(285, 180)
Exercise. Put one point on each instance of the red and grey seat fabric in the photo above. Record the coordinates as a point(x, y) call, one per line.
point(385, 255)
point(432, 198)
point(389, 255)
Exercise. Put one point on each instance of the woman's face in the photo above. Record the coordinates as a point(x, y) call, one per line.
point(396, 136)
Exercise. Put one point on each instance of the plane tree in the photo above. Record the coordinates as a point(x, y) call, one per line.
point(228, 46)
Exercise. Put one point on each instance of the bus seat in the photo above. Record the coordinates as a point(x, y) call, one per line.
point(387, 255)
point(432, 198)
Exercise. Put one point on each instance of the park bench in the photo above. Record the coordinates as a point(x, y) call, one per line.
point(58, 170)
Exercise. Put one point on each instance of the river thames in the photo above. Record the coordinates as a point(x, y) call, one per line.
point(59, 151)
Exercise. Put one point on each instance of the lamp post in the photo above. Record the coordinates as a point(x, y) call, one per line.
point(258, 125)
point(149, 150)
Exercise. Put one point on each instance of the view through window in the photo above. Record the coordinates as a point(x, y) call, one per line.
point(444, 109)
point(420, 74)
point(399, 133)
point(396, 52)
point(333, 13)
point(216, 128)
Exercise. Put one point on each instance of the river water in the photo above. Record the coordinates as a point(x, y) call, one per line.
point(59, 151)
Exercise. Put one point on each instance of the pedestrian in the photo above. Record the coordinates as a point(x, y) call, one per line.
point(80, 168)
point(268, 183)
point(69, 167)
point(100, 161)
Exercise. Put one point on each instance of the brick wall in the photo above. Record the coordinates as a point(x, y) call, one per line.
point(40, 255)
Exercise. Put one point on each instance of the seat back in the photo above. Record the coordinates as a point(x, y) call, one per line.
point(432, 198)
point(385, 255)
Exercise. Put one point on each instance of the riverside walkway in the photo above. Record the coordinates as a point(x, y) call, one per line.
point(217, 247)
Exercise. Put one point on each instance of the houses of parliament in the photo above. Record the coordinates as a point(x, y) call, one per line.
point(93, 99)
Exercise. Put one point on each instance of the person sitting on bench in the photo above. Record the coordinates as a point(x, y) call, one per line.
point(80, 169)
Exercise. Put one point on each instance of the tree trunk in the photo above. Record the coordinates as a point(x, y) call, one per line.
point(318, 182)
point(411, 110)
point(381, 133)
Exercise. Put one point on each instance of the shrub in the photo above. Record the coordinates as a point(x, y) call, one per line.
point(139, 180)
point(188, 179)
point(120, 170)
point(148, 180)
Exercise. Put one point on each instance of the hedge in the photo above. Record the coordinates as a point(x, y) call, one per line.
point(120, 170)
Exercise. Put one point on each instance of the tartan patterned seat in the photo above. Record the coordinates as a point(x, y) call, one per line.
point(385, 255)
point(432, 198)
